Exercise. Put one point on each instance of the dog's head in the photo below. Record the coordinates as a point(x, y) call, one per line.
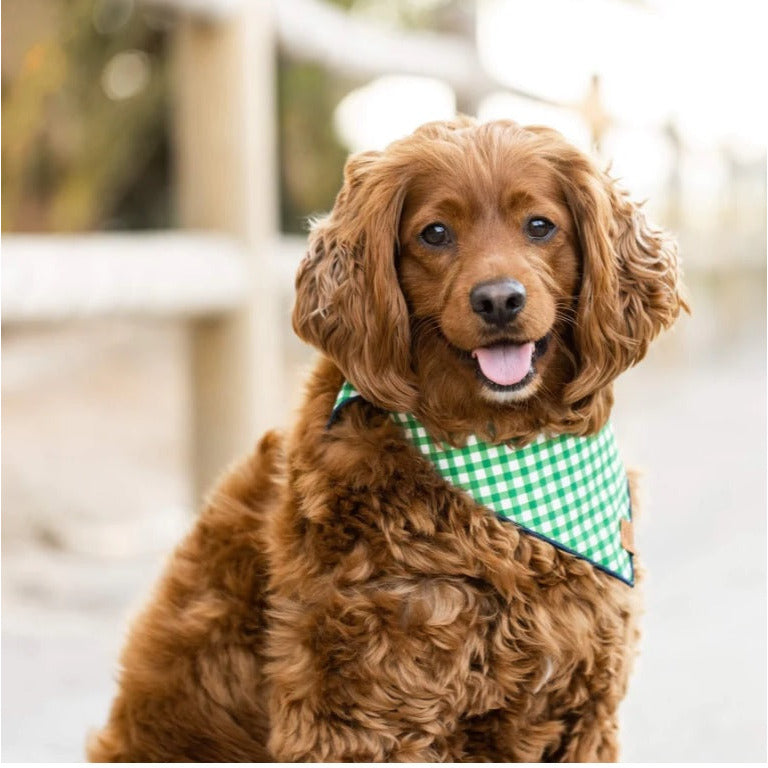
point(485, 273)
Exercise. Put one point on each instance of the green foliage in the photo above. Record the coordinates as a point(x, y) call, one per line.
point(76, 159)
point(311, 156)
point(71, 155)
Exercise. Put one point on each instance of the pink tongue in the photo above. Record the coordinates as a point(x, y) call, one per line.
point(505, 364)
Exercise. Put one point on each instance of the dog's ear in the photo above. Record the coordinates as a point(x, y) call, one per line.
point(348, 299)
point(630, 280)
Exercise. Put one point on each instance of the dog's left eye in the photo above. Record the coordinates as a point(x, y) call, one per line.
point(436, 234)
point(539, 228)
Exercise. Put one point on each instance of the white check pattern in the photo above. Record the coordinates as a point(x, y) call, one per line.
point(571, 491)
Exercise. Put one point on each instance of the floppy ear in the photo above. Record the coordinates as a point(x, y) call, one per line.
point(630, 284)
point(348, 299)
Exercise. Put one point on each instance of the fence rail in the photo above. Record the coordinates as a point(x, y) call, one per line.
point(61, 277)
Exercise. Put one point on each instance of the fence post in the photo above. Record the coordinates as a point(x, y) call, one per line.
point(226, 180)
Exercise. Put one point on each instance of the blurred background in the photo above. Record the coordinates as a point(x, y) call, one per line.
point(159, 163)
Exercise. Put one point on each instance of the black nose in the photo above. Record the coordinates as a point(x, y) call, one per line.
point(498, 301)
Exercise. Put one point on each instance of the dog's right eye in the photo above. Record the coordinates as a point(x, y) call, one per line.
point(436, 234)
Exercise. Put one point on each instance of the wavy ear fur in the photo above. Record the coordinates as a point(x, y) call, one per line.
point(630, 284)
point(348, 300)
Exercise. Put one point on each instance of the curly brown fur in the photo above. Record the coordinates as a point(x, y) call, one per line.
point(337, 600)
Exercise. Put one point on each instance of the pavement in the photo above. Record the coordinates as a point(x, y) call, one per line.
point(96, 492)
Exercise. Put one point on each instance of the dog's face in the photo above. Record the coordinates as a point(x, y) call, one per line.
point(489, 267)
point(487, 277)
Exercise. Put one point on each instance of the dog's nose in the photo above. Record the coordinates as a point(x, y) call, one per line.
point(498, 301)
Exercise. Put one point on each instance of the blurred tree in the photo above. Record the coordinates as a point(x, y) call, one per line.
point(85, 99)
point(84, 143)
point(311, 156)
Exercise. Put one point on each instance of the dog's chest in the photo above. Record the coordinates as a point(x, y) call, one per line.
point(470, 597)
point(542, 623)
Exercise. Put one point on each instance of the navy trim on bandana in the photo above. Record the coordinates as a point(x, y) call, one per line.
point(559, 545)
point(336, 412)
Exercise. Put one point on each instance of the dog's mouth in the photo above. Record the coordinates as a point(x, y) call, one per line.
point(508, 366)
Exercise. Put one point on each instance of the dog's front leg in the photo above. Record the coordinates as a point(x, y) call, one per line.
point(363, 676)
point(591, 739)
point(591, 731)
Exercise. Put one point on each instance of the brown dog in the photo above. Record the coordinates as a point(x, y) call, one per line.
point(338, 599)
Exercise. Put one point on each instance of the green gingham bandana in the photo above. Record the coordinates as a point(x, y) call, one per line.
point(569, 491)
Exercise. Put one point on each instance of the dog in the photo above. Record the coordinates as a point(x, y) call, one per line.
point(343, 596)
